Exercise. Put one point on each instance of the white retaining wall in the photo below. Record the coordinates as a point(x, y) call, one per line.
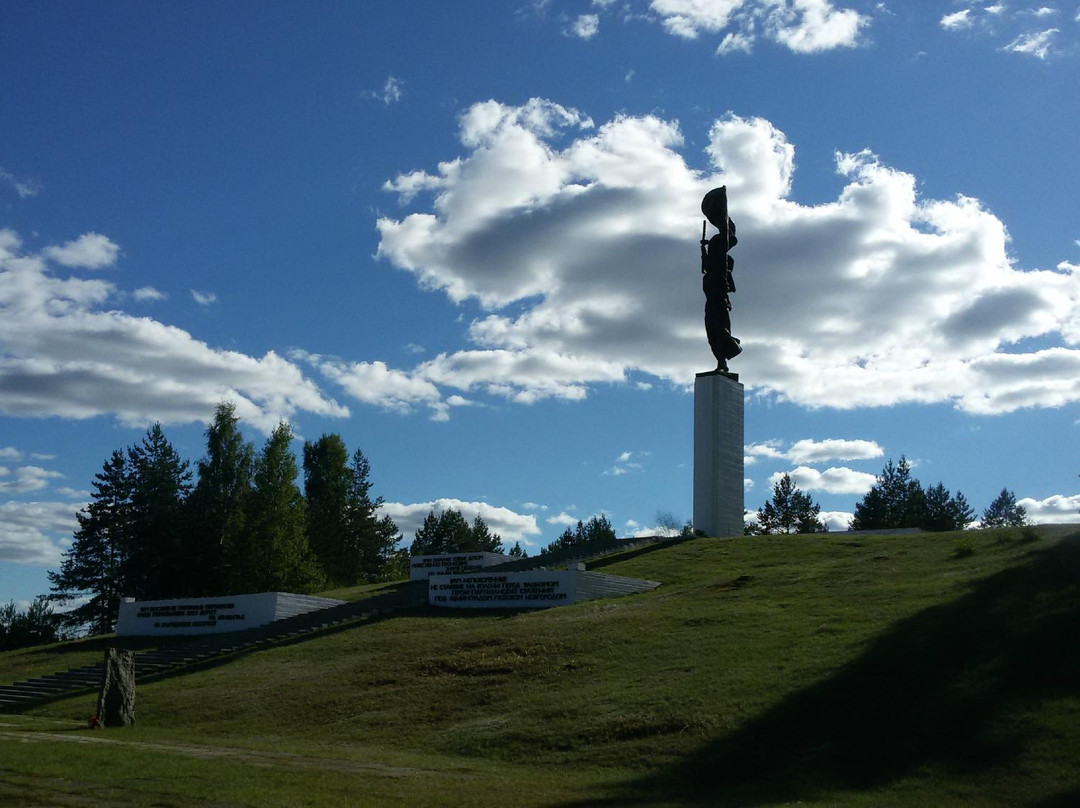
point(530, 589)
point(214, 615)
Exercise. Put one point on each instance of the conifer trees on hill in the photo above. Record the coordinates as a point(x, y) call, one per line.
point(242, 525)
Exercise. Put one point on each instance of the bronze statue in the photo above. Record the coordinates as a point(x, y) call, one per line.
point(717, 280)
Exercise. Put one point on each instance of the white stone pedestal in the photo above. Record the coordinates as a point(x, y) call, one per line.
point(718, 454)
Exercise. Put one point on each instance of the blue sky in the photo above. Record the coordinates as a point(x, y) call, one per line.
point(464, 236)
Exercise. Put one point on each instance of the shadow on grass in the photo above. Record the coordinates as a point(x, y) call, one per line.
point(927, 693)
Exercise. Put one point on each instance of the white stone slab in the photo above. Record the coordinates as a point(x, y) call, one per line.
point(528, 589)
point(213, 615)
point(424, 566)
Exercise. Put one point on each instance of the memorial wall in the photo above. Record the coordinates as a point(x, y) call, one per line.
point(424, 566)
point(213, 615)
point(529, 589)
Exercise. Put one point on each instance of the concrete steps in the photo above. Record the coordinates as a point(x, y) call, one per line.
point(158, 661)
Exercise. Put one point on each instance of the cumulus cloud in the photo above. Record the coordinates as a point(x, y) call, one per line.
point(816, 451)
point(64, 351)
point(377, 384)
point(148, 294)
point(562, 518)
point(836, 520)
point(30, 532)
point(24, 479)
point(832, 481)
point(580, 242)
point(803, 26)
point(90, 251)
point(1057, 509)
point(510, 525)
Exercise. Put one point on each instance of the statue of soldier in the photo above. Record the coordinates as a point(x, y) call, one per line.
point(717, 280)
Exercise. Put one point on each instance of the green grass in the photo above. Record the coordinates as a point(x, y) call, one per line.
point(839, 670)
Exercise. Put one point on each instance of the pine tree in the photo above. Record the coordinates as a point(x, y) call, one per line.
point(895, 501)
point(450, 533)
point(944, 511)
point(373, 537)
point(789, 511)
point(328, 487)
point(216, 506)
point(1004, 512)
point(594, 535)
point(274, 550)
point(96, 562)
point(36, 626)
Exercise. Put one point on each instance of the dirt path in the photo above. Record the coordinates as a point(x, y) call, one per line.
point(276, 760)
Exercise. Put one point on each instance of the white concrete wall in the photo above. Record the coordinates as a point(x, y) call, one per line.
point(528, 589)
point(424, 566)
point(213, 615)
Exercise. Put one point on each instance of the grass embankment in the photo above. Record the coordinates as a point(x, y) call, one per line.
point(842, 670)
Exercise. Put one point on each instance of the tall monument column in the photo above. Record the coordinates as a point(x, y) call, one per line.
point(718, 454)
point(718, 396)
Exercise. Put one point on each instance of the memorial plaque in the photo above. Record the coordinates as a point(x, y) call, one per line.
point(424, 566)
point(188, 616)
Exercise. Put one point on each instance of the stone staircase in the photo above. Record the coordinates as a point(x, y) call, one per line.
point(203, 650)
point(206, 649)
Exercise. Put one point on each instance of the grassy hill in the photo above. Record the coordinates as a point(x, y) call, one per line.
point(841, 670)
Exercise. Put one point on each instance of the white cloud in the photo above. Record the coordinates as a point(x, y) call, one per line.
point(376, 384)
point(1035, 43)
point(24, 479)
point(203, 298)
point(1057, 509)
point(814, 26)
point(25, 188)
point(890, 297)
point(836, 520)
point(10, 453)
point(562, 518)
point(815, 451)
point(957, 20)
point(30, 532)
point(510, 525)
point(831, 481)
point(146, 294)
point(89, 251)
point(392, 90)
point(63, 353)
point(803, 26)
point(735, 43)
point(626, 463)
point(1010, 23)
point(585, 26)
point(685, 18)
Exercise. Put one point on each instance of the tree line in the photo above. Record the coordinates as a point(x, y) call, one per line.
point(240, 524)
point(36, 625)
point(896, 501)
